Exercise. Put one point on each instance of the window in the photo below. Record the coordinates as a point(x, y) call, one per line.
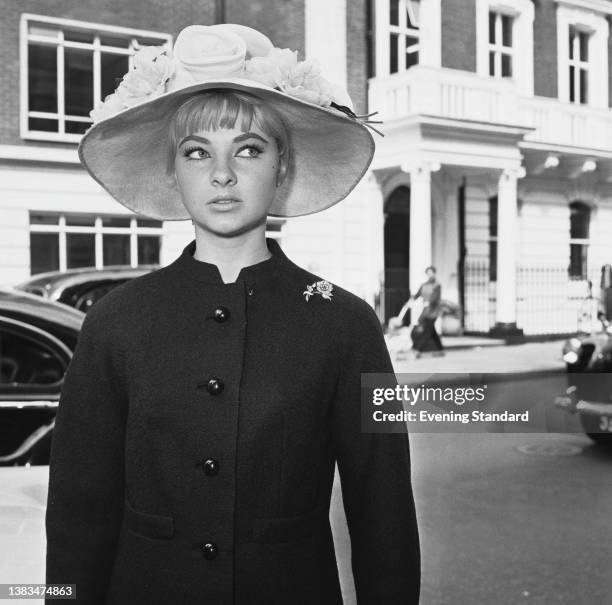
point(403, 34)
point(580, 218)
point(67, 241)
point(500, 45)
point(493, 239)
point(578, 65)
point(504, 43)
point(67, 68)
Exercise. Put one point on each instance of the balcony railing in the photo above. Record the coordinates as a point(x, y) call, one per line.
point(464, 96)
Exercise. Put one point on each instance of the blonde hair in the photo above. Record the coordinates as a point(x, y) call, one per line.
point(220, 108)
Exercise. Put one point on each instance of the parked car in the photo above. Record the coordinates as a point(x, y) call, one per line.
point(37, 339)
point(81, 288)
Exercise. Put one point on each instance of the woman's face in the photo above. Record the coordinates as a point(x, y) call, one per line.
point(228, 178)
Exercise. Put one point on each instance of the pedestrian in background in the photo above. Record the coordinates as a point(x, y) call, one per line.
point(425, 339)
point(207, 402)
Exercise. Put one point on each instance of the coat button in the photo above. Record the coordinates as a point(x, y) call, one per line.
point(210, 550)
point(211, 467)
point(214, 386)
point(222, 314)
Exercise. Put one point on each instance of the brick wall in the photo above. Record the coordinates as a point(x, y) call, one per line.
point(459, 34)
point(357, 53)
point(155, 15)
point(545, 48)
point(281, 20)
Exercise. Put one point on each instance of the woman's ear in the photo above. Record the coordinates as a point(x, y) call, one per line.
point(281, 174)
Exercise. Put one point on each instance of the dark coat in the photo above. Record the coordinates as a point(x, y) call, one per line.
point(201, 413)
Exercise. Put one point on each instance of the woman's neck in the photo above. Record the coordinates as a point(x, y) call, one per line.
point(231, 254)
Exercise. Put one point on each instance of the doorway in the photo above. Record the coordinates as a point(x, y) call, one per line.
point(397, 252)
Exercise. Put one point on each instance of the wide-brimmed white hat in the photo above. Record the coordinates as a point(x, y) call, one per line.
point(126, 149)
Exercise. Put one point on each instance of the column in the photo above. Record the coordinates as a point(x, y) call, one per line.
point(420, 224)
point(374, 225)
point(507, 244)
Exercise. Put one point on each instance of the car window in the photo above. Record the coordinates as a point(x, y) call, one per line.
point(31, 361)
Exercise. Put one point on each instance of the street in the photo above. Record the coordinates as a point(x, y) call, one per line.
point(509, 518)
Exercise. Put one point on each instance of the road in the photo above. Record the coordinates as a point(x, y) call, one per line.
point(507, 519)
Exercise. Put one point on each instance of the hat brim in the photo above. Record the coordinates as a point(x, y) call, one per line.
point(127, 153)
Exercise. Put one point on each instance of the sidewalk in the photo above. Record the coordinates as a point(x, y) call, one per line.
point(467, 354)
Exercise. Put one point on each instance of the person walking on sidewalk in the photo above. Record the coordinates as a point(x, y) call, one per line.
point(207, 402)
point(424, 336)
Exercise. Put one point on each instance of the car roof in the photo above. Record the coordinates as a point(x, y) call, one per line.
point(54, 280)
point(29, 307)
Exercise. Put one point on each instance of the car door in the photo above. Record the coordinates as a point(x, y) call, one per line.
point(32, 367)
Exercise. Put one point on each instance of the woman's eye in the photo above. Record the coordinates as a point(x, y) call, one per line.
point(195, 153)
point(250, 151)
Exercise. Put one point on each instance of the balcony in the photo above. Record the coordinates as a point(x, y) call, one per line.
point(467, 97)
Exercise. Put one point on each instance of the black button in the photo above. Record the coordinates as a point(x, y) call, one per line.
point(222, 314)
point(214, 386)
point(211, 467)
point(210, 550)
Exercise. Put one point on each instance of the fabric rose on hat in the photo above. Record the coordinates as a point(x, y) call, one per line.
point(204, 52)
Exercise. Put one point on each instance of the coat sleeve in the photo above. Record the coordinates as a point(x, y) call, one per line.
point(375, 478)
point(86, 476)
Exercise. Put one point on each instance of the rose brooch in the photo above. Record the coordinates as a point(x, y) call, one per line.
point(323, 287)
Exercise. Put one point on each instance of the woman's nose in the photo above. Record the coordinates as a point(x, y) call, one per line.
point(222, 174)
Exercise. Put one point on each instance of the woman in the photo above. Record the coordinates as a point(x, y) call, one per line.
point(424, 335)
point(206, 402)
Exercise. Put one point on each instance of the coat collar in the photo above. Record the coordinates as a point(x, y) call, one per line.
point(209, 273)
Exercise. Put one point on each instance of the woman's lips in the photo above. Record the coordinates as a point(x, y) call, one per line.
point(224, 203)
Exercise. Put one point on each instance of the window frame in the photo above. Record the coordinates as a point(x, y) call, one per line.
point(498, 48)
point(98, 230)
point(523, 15)
point(583, 242)
point(60, 44)
point(596, 25)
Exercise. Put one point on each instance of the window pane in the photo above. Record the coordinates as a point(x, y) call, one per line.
point(81, 250)
point(492, 261)
point(116, 221)
point(42, 124)
point(584, 46)
point(77, 127)
point(42, 78)
point(493, 216)
point(571, 84)
point(78, 81)
point(580, 217)
point(506, 30)
point(572, 34)
point(44, 252)
point(492, 27)
point(79, 36)
point(578, 261)
point(412, 57)
point(412, 13)
point(116, 249)
point(584, 86)
point(491, 63)
point(393, 41)
point(148, 222)
point(148, 249)
point(394, 12)
point(43, 219)
point(48, 31)
point(26, 361)
point(506, 66)
point(116, 41)
point(80, 220)
point(114, 67)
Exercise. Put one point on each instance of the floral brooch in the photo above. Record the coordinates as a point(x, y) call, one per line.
point(323, 287)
